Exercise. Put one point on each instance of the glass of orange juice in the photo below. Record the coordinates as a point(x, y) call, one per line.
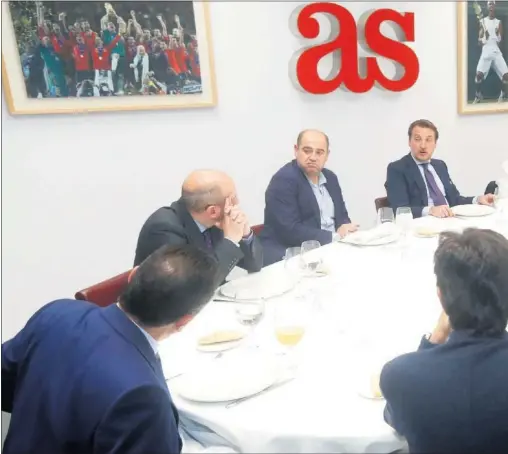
point(290, 324)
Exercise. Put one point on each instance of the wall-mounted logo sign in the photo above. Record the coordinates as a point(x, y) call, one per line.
point(349, 71)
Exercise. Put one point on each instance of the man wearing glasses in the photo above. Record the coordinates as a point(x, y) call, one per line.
point(304, 200)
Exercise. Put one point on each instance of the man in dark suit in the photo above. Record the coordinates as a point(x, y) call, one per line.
point(304, 200)
point(422, 183)
point(83, 379)
point(451, 396)
point(208, 216)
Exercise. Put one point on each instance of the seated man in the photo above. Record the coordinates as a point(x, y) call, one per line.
point(423, 183)
point(304, 200)
point(79, 378)
point(207, 215)
point(451, 396)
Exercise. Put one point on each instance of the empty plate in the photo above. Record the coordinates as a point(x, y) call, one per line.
point(473, 210)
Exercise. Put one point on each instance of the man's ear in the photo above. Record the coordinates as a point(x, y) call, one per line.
point(179, 324)
point(132, 273)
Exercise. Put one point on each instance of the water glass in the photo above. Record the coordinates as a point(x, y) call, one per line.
point(385, 215)
point(404, 218)
point(311, 259)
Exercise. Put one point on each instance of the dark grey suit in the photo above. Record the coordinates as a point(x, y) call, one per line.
point(174, 225)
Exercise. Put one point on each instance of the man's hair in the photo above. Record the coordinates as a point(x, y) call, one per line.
point(198, 201)
point(423, 124)
point(472, 274)
point(172, 282)
point(300, 137)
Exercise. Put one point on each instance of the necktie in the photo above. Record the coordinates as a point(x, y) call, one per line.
point(434, 192)
point(208, 239)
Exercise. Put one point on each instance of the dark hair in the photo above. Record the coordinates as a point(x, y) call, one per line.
point(423, 124)
point(472, 274)
point(172, 282)
point(300, 137)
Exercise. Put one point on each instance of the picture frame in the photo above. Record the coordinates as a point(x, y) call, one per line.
point(480, 93)
point(41, 75)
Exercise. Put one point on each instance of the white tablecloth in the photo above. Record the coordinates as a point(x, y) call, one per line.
point(375, 304)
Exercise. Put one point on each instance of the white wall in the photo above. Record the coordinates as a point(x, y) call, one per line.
point(76, 189)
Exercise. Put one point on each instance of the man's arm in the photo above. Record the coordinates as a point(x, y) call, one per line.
point(252, 260)
point(140, 422)
point(396, 190)
point(344, 215)
point(282, 208)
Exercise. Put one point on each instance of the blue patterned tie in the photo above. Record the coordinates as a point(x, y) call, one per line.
point(434, 192)
point(208, 239)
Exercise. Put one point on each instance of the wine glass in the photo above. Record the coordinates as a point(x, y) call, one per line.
point(310, 257)
point(385, 215)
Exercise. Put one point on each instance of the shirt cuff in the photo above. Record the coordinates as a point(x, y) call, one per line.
point(231, 241)
point(248, 239)
point(475, 200)
point(425, 211)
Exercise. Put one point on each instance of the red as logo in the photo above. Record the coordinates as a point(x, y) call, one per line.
point(305, 63)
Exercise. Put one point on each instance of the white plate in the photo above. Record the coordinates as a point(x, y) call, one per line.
point(254, 287)
point(359, 240)
point(219, 347)
point(473, 210)
point(231, 377)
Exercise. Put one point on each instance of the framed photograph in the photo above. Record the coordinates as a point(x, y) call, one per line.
point(482, 38)
point(72, 57)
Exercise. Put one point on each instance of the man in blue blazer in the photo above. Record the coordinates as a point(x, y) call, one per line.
point(422, 183)
point(451, 396)
point(83, 379)
point(304, 201)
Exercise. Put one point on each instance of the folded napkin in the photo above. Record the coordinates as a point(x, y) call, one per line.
point(388, 229)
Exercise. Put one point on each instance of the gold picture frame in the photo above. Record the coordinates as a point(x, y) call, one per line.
point(187, 89)
point(470, 17)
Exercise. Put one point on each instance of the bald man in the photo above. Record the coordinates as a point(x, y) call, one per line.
point(207, 215)
point(304, 200)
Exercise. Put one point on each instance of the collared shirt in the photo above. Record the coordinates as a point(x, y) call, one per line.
point(247, 240)
point(439, 184)
point(153, 343)
point(325, 203)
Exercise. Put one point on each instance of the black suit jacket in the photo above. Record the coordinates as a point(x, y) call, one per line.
point(451, 398)
point(405, 186)
point(174, 225)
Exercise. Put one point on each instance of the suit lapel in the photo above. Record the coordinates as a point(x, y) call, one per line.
point(309, 196)
point(189, 225)
point(416, 177)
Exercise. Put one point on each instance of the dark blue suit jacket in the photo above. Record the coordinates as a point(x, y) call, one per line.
point(83, 379)
point(292, 213)
point(405, 186)
point(451, 398)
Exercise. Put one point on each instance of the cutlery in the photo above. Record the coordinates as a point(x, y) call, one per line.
point(235, 402)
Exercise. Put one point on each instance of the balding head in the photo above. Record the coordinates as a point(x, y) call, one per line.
point(204, 193)
point(311, 152)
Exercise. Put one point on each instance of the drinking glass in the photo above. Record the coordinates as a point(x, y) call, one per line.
point(385, 215)
point(310, 258)
point(293, 261)
point(404, 219)
point(290, 324)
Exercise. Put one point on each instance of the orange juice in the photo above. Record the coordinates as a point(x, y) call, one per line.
point(289, 335)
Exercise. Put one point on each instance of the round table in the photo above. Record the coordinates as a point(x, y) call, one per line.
point(375, 304)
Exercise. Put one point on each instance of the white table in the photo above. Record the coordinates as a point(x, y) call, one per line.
point(374, 305)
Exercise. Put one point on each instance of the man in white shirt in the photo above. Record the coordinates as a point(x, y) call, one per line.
point(423, 183)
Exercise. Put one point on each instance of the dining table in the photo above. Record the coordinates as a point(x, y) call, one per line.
point(369, 305)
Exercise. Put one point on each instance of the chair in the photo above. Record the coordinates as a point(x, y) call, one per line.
point(257, 229)
point(106, 292)
point(491, 188)
point(381, 202)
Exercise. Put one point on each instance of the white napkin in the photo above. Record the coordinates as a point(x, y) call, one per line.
point(384, 230)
